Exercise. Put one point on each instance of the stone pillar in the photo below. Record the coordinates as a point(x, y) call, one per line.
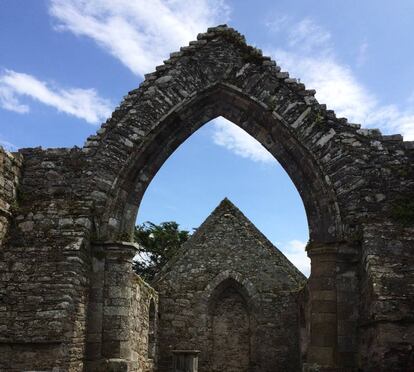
point(347, 294)
point(95, 308)
point(109, 346)
point(323, 307)
point(117, 295)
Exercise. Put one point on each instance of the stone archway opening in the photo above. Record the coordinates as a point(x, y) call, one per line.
point(202, 171)
point(221, 100)
point(230, 296)
point(273, 132)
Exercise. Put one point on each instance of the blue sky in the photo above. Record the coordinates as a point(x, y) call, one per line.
point(66, 64)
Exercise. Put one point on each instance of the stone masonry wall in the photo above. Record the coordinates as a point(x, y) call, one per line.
point(142, 296)
point(10, 170)
point(387, 298)
point(45, 266)
point(227, 254)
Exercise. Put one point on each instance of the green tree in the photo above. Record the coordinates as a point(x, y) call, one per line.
point(158, 244)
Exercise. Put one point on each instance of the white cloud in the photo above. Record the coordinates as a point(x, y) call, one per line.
point(277, 23)
point(334, 83)
point(82, 103)
point(318, 67)
point(238, 141)
point(139, 33)
point(9, 101)
point(307, 35)
point(396, 119)
point(294, 250)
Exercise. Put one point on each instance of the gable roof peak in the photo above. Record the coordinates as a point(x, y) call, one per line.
point(225, 206)
point(229, 33)
point(227, 221)
point(218, 27)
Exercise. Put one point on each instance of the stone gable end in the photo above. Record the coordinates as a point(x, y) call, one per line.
point(228, 266)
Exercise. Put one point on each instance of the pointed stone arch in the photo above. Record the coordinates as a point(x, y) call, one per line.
point(220, 75)
point(328, 159)
point(243, 110)
point(247, 89)
point(245, 286)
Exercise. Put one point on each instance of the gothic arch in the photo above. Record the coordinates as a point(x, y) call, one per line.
point(222, 286)
point(220, 75)
point(245, 286)
point(224, 100)
point(345, 175)
point(249, 90)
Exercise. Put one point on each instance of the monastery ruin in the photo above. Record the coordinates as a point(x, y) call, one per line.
point(69, 300)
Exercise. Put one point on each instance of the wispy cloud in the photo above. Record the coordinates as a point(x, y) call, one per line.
point(238, 141)
point(139, 33)
point(335, 83)
point(362, 53)
point(294, 250)
point(307, 35)
point(7, 145)
point(82, 103)
point(9, 101)
point(277, 23)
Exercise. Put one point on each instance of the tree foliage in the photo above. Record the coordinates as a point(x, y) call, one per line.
point(158, 244)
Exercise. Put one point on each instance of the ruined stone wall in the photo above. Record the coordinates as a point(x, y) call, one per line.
point(45, 266)
point(356, 185)
point(386, 290)
point(10, 170)
point(387, 298)
point(227, 251)
point(142, 295)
